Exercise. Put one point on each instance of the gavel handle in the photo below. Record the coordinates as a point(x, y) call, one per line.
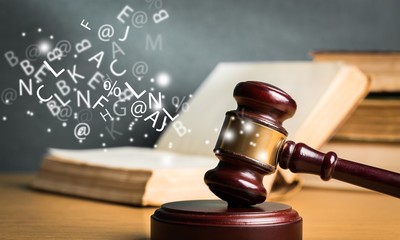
point(300, 158)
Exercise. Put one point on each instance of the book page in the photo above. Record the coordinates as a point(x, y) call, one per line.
point(136, 158)
point(196, 131)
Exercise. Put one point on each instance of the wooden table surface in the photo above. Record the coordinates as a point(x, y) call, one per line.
point(29, 214)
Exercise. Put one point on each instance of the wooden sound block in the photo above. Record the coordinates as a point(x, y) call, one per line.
point(213, 219)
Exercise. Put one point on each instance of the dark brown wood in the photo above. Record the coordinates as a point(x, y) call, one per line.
point(213, 219)
point(264, 103)
point(232, 178)
point(237, 178)
point(300, 158)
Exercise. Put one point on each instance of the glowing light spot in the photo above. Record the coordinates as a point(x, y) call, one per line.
point(130, 139)
point(157, 107)
point(248, 127)
point(262, 156)
point(51, 37)
point(131, 126)
point(101, 135)
point(23, 34)
point(163, 79)
point(4, 118)
point(145, 135)
point(64, 124)
point(207, 142)
point(44, 47)
point(49, 130)
point(39, 30)
point(155, 146)
point(103, 144)
point(229, 136)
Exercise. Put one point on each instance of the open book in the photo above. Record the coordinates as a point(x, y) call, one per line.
point(380, 66)
point(325, 94)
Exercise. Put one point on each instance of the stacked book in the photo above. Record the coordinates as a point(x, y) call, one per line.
point(371, 134)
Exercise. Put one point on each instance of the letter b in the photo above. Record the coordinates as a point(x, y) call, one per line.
point(63, 87)
point(53, 107)
point(11, 58)
point(27, 67)
point(55, 54)
point(83, 46)
point(160, 16)
point(179, 128)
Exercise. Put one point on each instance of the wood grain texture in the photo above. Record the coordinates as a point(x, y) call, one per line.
point(213, 219)
point(262, 108)
point(300, 158)
point(28, 214)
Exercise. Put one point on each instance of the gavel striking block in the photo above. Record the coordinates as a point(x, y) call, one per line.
point(251, 144)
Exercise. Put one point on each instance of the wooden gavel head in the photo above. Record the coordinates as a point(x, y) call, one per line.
point(252, 143)
point(249, 143)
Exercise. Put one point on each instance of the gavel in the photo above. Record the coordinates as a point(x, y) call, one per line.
point(252, 143)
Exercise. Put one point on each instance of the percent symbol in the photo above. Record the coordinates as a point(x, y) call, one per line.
point(180, 104)
point(156, 3)
point(112, 89)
